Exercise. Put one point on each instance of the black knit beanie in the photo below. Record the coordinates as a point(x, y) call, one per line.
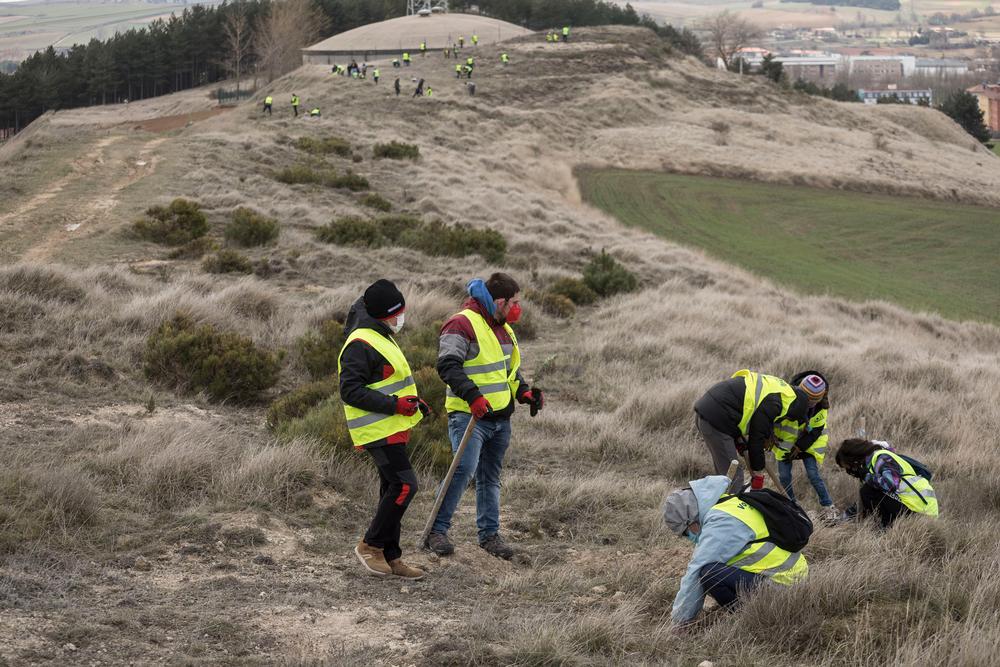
point(383, 300)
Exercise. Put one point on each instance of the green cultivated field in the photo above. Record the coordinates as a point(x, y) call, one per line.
point(924, 255)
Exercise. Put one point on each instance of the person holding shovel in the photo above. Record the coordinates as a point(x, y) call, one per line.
point(381, 405)
point(736, 418)
point(479, 359)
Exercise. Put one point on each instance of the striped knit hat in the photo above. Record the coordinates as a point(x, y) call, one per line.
point(814, 386)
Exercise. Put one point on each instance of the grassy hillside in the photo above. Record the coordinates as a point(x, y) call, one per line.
point(921, 254)
point(143, 519)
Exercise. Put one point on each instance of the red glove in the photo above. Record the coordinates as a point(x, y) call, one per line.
point(425, 409)
point(407, 405)
point(480, 407)
point(756, 481)
point(533, 397)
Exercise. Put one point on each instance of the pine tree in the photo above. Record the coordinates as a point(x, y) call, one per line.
point(963, 108)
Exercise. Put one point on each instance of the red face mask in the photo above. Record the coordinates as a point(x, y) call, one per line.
point(514, 314)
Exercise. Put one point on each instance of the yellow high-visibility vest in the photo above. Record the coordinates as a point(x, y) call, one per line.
point(268, 100)
point(295, 101)
point(493, 370)
point(918, 495)
point(763, 557)
point(788, 431)
point(759, 387)
point(364, 426)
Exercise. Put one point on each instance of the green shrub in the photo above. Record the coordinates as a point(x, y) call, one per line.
point(395, 150)
point(392, 227)
point(319, 350)
point(575, 290)
point(302, 174)
point(553, 304)
point(377, 202)
point(325, 422)
point(606, 276)
point(324, 146)
point(349, 181)
point(250, 228)
point(227, 261)
point(350, 230)
point(437, 238)
point(193, 249)
point(192, 357)
point(176, 224)
point(295, 404)
point(421, 345)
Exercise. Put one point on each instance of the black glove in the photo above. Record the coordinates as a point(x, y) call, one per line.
point(425, 409)
point(535, 398)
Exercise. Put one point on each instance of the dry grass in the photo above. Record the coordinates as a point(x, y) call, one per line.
point(108, 480)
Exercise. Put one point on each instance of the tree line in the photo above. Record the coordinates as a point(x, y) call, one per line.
point(205, 44)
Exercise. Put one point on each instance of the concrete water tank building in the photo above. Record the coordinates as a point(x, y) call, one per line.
point(393, 37)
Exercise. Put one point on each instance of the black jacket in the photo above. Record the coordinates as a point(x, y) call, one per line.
point(722, 407)
point(361, 364)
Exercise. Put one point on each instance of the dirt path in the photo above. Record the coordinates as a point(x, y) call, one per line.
point(92, 212)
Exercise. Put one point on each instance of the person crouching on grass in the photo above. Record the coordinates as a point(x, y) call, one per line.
point(381, 406)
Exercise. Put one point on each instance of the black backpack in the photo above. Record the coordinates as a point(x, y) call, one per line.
point(788, 525)
point(917, 466)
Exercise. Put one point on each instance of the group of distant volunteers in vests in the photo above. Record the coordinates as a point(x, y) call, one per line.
point(746, 536)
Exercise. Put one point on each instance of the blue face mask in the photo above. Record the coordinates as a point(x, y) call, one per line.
point(692, 537)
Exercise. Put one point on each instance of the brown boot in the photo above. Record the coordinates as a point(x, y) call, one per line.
point(372, 559)
point(401, 569)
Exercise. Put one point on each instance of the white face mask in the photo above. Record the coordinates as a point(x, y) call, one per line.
point(398, 326)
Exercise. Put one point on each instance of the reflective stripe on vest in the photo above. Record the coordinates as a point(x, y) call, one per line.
point(365, 426)
point(787, 432)
point(763, 558)
point(758, 388)
point(493, 370)
point(918, 495)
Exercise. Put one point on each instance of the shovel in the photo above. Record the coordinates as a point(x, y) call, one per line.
point(447, 482)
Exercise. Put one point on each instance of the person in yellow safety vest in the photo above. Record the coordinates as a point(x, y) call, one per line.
point(375, 75)
point(807, 441)
point(565, 33)
point(504, 58)
point(475, 40)
point(268, 101)
point(406, 58)
point(295, 104)
point(429, 92)
point(458, 70)
point(423, 48)
point(732, 555)
point(738, 416)
point(470, 61)
point(480, 362)
point(555, 37)
point(548, 36)
point(314, 112)
point(381, 405)
point(891, 485)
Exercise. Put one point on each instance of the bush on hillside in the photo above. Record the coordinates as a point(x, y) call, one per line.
point(324, 145)
point(575, 290)
point(433, 238)
point(227, 261)
point(176, 224)
point(296, 403)
point(301, 174)
point(351, 230)
point(349, 181)
point(377, 202)
point(193, 249)
point(49, 283)
point(250, 228)
point(395, 150)
point(192, 357)
point(320, 349)
point(437, 238)
point(38, 503)
point(557, 305)
point(606, 276)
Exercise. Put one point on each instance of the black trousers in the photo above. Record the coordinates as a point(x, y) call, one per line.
point(874, 501)
point(398, 484)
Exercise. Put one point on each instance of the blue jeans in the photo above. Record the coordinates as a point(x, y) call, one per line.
point(726, 583)
point(483, 458)
point(812, 470)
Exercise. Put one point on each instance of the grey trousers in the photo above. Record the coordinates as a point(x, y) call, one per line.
point(722, 447)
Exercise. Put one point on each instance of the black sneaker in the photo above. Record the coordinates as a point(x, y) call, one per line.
point(495, 546)
point(439, 544)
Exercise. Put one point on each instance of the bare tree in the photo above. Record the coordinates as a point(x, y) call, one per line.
point(288, 27)
point(728, 33)
point(238, 35)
